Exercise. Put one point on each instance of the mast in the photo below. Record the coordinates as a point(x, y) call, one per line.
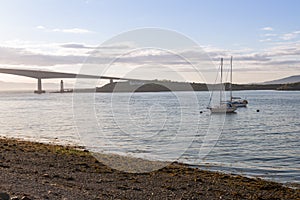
point(230, 86)
point(221, 82)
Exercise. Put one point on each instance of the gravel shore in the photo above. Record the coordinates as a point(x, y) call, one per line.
point(31, 170)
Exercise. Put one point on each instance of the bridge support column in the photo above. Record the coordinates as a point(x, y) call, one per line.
point(111, 80)
point(62, 86)
point(39, 87)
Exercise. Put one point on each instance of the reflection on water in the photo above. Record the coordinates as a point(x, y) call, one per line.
point(159, 126)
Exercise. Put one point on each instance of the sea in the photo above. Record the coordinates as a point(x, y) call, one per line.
point(261, 140)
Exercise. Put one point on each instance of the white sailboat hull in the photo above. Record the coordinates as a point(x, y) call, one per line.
point(223, 108)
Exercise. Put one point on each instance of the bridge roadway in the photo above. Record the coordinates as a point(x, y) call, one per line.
point(40, 74)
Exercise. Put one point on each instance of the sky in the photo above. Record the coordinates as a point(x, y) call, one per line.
point(263, 36)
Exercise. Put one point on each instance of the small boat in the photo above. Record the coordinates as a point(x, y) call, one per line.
point(224, 106)
point(236, 101)
point(239, 102)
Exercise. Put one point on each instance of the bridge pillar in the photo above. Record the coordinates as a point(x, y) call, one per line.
point(39, 87)
point(111, 80)
point(62, 86)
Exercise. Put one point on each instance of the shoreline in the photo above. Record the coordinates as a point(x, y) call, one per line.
point(224, 169)
point(48, 171)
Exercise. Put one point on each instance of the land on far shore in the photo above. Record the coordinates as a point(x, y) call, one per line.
point(44, 171)
point(287, 83)
point(286, 80)
point(164, 86)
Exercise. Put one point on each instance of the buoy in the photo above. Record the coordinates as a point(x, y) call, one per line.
point(257, 110)
point(201, 112)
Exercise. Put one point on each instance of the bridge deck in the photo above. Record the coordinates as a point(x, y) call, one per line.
point(40, 74)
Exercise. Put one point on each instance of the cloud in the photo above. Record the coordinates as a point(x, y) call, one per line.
point(268, 28)
point(95, 48)
point(284, 50)
point(270, 35)
point(252, 57)
point(283, 56)
point(70, 30)
point(76, 46)
point(41, 27)
point(19, 56)
point(284, 63)
point(290, 36)
point(266, 40)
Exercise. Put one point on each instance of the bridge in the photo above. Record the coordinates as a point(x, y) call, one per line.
point(40, 74)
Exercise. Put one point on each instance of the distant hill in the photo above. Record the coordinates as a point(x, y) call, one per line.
point(290, 79)
point(290, 86)
point(151, 86)
point(164, 86)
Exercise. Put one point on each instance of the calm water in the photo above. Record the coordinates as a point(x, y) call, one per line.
point(167, 126)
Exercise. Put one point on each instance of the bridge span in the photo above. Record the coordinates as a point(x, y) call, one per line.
point(40, 74)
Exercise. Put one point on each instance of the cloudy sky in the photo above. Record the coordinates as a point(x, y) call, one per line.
point(63, 35)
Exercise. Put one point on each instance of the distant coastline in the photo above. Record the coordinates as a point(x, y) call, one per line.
point(165, 86)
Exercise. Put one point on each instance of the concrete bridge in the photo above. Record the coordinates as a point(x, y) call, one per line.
point(40, 74)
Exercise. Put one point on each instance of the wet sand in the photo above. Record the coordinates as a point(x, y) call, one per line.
point(44, 171)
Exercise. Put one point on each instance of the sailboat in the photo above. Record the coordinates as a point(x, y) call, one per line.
point(236, 101)
point(224, 106)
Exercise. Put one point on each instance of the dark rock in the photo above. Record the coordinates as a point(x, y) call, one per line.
point(70, 179)
point(4, 196)
point(56, 176)
point(123, 187)
point(4, 166)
